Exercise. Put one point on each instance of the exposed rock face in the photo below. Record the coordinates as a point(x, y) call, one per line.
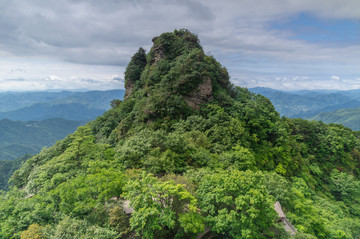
point(282, 218)
point(202, 94)
point(158, 54)
point(129, 87)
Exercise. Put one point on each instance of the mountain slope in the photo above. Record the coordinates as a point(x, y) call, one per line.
point(188, 152)
point(7, 168)
point(18, 138)
point(347, 117)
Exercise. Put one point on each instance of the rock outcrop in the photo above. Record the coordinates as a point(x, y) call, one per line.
point(158, 52)
point(129, 87)
point(200, 95)
point(174, 78)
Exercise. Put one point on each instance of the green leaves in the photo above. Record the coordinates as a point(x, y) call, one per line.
point(236, 203)
point(79, 197)
point(346, 188)
point(135, 67)
point(162, 208)
point(201, 156)
point(70, 228)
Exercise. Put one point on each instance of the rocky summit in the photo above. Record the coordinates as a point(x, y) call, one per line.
point(177, 70)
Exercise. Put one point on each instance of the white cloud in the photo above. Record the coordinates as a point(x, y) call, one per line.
point(45, 38)
point(336, 78)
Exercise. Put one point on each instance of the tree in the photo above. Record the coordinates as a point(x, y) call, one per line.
point(236, 204)
point(162, 209)
point(70, 228)
point(135, 67)
point(83, 194)
point(346, 188)
point(34, 231)
point(115, 103)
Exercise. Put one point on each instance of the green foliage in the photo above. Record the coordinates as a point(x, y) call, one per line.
point(7, 168)
point(346, 188)
point(236, 204)
point(119, 220)
point(80, 151)
point(135, 67)
point(239, 158)
point(171, 72)
point(162, 209)
point(103, 127)
point(18, 212)
point(115, 103)
point(33, 232)
point(73, 228)
point(221, 164)
point(80, 196)
point(348, 117)
point(177, 43)
point(328, 146)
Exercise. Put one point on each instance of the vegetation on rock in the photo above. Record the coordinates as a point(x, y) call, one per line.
point(192, 154)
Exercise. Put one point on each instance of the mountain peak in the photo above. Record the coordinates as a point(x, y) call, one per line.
point(175, 75)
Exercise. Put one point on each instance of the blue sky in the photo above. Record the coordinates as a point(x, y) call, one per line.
point(86, 44)
point(308, 27)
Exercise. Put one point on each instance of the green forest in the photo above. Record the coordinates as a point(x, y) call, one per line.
point(188, 155)
point(18, 138)
point(349, 117)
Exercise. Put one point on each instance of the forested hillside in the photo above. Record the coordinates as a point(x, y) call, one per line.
point(349, 117)
point(7, 168)
point(18, 138)
point(193, 156)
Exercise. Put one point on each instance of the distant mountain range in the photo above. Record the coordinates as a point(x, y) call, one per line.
point(42, 111)
point(31, 120)
point(341, 107)
point(97, 99)
point(308, 103)
point(69, 105)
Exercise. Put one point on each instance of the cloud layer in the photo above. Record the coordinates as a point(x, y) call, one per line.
point(92, 41)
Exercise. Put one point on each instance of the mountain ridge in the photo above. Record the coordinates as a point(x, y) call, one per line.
point(308, 103)
point(16, 100)
point(187, 158)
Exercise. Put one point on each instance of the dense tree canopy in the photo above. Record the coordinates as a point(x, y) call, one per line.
point(191, 154)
